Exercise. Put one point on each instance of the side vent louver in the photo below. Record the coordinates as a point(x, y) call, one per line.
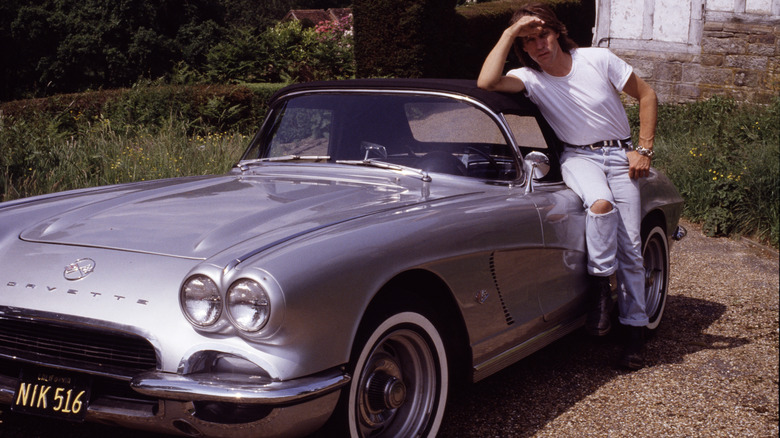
point(507, 315)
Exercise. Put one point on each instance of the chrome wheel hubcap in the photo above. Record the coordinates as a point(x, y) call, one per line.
point(397, 390)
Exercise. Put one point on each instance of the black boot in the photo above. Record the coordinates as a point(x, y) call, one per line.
point(632, 356)
point(598, 321)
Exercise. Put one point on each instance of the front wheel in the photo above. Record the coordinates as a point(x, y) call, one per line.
point(400, 380)
point(656, 255)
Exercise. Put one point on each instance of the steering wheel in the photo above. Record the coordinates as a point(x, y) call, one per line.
point(493, 164)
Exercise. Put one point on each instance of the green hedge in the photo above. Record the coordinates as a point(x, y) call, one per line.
point(432, 38)
point(402, 38)
point(207, 107)
point(480, 26)
point(109, 137)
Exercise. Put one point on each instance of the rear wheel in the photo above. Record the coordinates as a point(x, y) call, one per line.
point(655, 251)
point(400, 380)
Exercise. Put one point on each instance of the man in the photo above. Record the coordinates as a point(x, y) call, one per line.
point(577, 91)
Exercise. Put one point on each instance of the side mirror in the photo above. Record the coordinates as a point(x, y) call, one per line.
point(536, 165)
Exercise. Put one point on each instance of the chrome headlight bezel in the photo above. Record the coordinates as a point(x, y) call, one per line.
point(248, 305)
point(201, 289)
point(265, 326)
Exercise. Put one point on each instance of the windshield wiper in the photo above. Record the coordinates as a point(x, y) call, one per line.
point(371, 162)
point(295, 158)
point(244, 165)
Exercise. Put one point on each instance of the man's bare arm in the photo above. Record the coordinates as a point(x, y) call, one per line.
point(639, 165)
point(492, 75)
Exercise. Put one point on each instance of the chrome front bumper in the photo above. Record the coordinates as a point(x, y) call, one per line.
point(233, 389)
point(292, 408)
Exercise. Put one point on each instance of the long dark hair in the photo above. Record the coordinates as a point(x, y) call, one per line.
point(551, 21)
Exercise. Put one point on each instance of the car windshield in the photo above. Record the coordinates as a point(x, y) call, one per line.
point(430, 133)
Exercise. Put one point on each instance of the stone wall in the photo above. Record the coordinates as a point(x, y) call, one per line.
point(740, 60)
point(694, 49)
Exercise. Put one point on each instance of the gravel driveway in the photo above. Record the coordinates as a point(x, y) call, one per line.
point(712, 368)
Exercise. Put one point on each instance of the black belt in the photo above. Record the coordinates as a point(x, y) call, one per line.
point(627, 144)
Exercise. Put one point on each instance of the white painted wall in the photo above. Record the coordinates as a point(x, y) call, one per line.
point(634, 24)
point(626, 19)
point(721, 5)
point(672, 21)
point(759, 6)
point(670, 25)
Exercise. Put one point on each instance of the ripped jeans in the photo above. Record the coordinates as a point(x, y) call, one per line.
point(613, 239)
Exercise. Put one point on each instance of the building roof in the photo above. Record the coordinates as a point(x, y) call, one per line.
point(316, 16)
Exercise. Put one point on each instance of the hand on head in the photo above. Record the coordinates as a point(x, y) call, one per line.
point(528, 25)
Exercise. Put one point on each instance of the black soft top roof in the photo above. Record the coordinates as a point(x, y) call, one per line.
point(498, 102)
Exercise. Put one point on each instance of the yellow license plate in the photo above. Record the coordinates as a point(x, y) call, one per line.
point(52, 394)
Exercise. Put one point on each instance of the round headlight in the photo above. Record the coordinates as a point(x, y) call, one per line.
point(201, 301)
point(248, 305)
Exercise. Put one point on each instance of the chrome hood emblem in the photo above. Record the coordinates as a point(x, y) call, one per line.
point(79, 269)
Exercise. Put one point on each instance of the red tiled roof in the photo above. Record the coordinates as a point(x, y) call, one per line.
point(317, 15)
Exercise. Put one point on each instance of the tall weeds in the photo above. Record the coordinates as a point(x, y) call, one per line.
point(67, 152)
point(724, 158)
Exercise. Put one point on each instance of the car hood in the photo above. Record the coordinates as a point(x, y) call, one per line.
point(201, 217)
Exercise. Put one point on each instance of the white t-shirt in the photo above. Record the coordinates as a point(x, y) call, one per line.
point(584, 106)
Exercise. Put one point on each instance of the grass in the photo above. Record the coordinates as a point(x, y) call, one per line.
point(723, 157)
point(43, 156)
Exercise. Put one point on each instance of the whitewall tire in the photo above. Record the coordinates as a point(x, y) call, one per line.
point(400, 381)
point(655, 250)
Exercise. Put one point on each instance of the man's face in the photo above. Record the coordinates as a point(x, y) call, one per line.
point(542, 46)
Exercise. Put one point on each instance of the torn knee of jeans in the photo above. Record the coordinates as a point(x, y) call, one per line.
point(602, 206)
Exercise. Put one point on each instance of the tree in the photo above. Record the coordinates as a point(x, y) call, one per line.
point(71, 45)
point(57, 46)
point(404, 38)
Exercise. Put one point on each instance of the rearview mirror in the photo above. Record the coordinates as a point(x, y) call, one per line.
point(537, 166)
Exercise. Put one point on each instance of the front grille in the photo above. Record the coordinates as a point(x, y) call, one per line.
point(102, 351)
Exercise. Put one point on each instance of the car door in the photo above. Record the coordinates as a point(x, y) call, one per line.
point(561, 291)
point(516, 269)
point(561, 276)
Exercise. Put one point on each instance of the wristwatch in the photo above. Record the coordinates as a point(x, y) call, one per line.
point(644, 151)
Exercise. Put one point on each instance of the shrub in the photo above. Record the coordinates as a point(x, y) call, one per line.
point(480, 26)
point(287, 52)
point(88, 139)
point(724, 158)
point(432, 38)
point(39, 158)
point(403, 38)
point(238, 57)
point(59, 46)
point(207, 107)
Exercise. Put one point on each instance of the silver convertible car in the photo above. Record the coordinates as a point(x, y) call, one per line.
point(378, 242)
